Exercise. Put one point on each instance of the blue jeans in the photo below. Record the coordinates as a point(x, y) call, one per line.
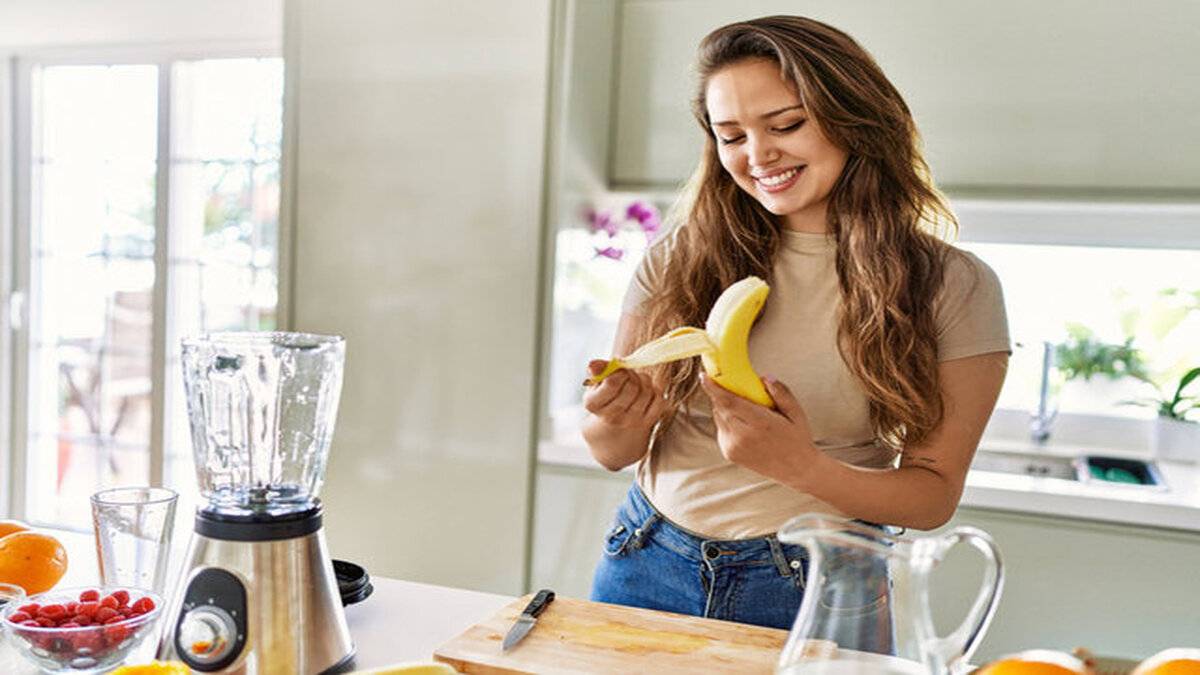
point(650, 562)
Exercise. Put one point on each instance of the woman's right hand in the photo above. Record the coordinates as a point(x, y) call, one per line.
point(626, 399)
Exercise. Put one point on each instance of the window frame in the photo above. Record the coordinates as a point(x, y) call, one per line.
point(18, 233)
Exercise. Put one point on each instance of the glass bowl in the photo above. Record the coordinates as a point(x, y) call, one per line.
point(73, 648)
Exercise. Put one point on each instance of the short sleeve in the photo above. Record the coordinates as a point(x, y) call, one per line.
point(648, 274)
point(969, 311)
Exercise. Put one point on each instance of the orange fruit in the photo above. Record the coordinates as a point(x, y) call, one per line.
point(1177, 661)
point(1035, 662)
point(7, 527)
point(32, 561)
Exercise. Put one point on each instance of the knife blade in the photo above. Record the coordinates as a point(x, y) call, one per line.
point(528, 618)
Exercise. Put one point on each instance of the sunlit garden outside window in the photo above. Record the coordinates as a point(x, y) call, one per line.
point(96, 262)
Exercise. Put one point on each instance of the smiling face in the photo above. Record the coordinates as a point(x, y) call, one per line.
point(770, 145)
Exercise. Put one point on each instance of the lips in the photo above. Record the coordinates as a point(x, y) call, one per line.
point(780, 180)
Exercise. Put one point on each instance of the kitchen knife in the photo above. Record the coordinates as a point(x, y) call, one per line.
point(528, 618)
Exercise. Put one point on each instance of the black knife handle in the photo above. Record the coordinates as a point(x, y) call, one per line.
point(539, 602)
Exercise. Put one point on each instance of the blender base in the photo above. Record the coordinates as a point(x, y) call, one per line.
point(258, 607)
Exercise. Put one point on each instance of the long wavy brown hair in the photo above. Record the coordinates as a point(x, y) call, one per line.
point(884, 212)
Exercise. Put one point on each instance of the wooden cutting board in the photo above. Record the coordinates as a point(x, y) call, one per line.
point(573, 636)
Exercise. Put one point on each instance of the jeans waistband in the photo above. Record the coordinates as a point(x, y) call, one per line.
point(648, 522)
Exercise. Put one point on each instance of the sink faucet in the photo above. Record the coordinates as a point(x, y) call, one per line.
point(1040, 421)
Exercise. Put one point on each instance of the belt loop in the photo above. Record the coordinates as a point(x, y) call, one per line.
point(777, 555)
point(639, 534)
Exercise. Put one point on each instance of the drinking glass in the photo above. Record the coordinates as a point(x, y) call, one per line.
point(133, 535)
point(11, 593)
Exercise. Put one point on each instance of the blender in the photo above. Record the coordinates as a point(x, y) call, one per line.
point(258, 593)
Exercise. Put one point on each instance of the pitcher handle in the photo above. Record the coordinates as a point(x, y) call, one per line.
point(957, 647)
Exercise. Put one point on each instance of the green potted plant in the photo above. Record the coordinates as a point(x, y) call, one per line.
point(1085, 356)
point(1176, 437)
point(1090, 371)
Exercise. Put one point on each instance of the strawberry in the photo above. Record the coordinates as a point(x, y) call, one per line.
point(52, 611)
point(143, 605)
point(115, 634)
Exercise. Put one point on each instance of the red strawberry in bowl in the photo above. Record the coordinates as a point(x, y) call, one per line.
point(82, 629)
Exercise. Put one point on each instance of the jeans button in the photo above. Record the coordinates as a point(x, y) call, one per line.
point(710, 552)
point(795, 564)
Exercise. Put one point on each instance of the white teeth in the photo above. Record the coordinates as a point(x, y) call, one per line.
point(777, 179)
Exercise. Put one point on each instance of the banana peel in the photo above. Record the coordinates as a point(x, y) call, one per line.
point(722, 345)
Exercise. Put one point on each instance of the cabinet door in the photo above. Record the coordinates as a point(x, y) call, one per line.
point(1071, 96)
point(573, 511)
point(1118, 590)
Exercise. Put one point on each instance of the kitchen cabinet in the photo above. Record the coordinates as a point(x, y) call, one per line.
point(573, 510)
point(1071, 97)
point(1121, 590)
point(416, 191)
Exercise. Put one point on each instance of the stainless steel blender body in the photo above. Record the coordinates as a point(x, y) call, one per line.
point(257, 607)
point(258, 592)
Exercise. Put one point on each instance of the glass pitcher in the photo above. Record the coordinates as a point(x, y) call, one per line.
point(262, 407)
point(866, 600)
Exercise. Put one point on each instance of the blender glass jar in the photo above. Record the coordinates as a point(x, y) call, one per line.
point(262, 407)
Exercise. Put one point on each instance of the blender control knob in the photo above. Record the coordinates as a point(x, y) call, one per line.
point(206, 634)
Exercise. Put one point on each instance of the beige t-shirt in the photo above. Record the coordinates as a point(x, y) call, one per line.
point(685, 475)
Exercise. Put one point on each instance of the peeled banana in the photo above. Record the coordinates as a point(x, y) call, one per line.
point(721, 345)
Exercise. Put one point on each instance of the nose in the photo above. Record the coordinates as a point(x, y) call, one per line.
point(760, 149)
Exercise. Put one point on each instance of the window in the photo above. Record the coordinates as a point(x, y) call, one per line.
point(595, 258)
point(1148, 296)
point(1120, 272)
point(148, 210)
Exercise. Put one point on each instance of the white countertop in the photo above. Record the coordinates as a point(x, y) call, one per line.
point(1177, 507)
point(402, 621)
point(406, 621)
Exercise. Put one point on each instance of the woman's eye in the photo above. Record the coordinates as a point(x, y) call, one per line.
point(727, 141)
point(791, 127)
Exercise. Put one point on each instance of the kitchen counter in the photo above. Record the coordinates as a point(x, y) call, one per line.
point(401, 621)
point(406, 621)
point(1177, 507)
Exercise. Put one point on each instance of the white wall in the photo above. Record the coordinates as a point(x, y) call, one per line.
point(1071, 97)
point(418, 188)
point(72, 23)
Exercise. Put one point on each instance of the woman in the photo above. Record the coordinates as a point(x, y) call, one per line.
point(883, 347)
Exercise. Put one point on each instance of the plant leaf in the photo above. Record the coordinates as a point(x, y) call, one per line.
point(1187, 379)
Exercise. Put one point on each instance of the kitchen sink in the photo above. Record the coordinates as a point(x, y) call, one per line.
point(1027, 464)
point(1087, 468)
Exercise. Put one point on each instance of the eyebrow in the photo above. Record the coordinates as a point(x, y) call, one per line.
point(780, 111)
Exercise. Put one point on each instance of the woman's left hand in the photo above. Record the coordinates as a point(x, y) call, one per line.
point(776, 443)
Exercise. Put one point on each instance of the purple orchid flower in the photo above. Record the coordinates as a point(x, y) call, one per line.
point(639, 211)
point(646, 216)
point(601, 221)
point(609, 252)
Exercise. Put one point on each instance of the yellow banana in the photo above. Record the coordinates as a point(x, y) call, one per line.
point(722, 345)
